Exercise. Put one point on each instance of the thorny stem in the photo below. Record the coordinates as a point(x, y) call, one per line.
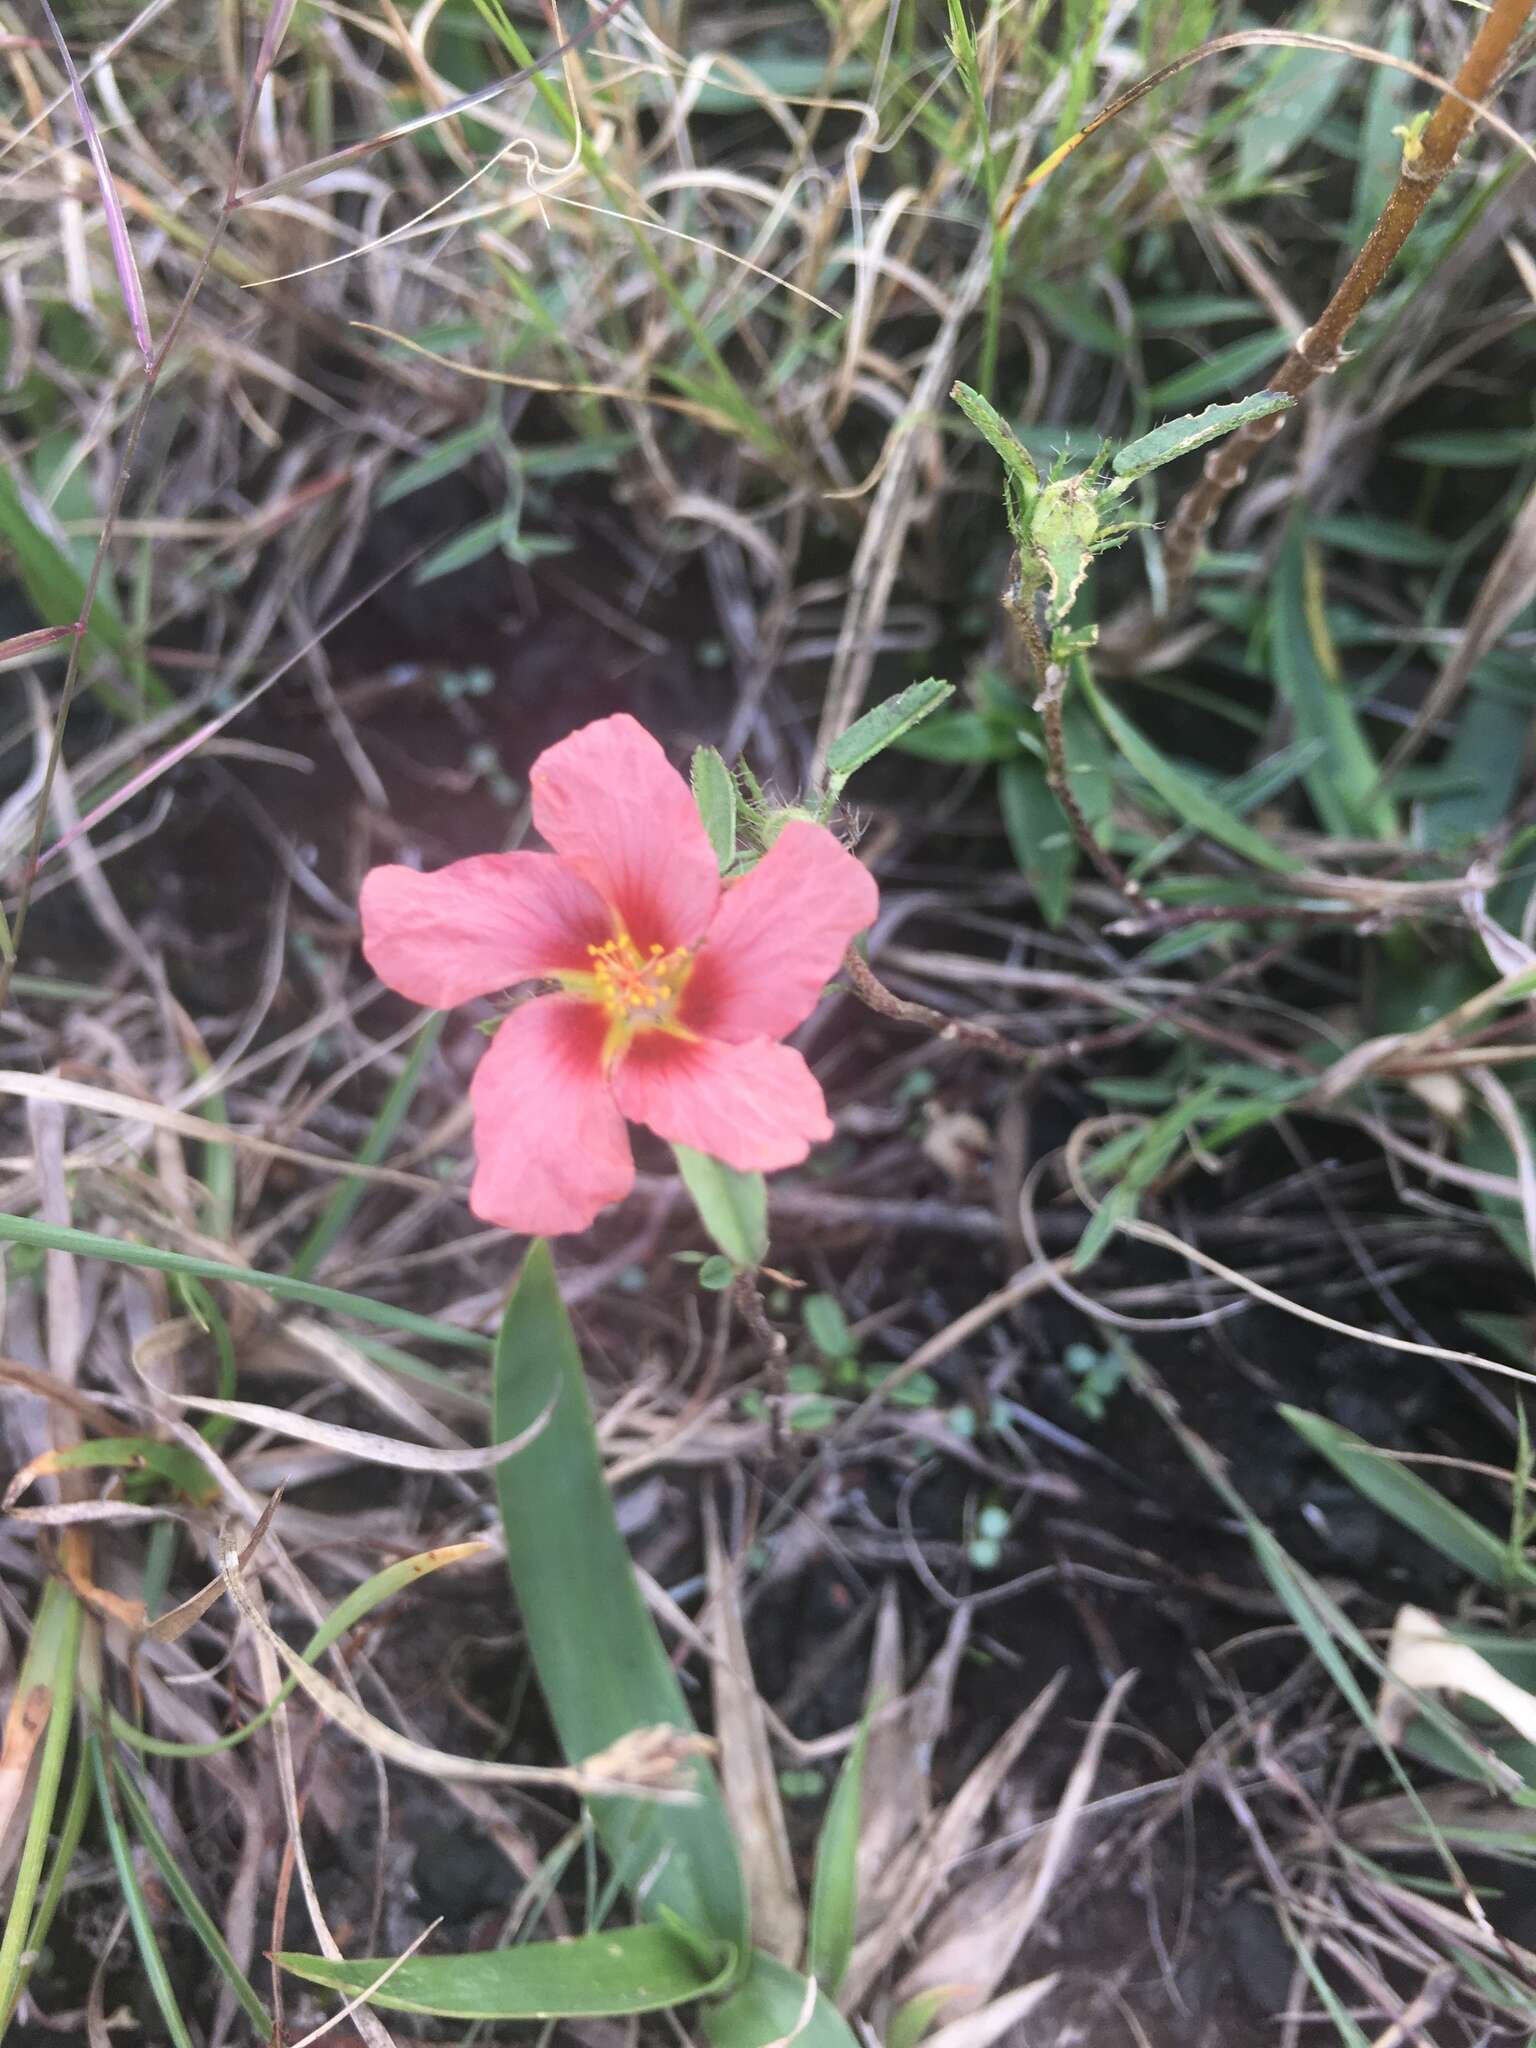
point(1319, 352)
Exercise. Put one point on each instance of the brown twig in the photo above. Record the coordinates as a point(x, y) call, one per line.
point(1319, 352)
point(873, 992)
point(1049, 682)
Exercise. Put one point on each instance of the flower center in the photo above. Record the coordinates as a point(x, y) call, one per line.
point(638, 988)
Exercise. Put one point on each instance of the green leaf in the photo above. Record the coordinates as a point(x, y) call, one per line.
point(56, 591)
point(714, 791)
point(117, 1251)
point(1038, 833)
point(195, 1912)
point(591, 1976)
point(1284, 112)
point(47, 1676)
point(1181, 436)
point(773, 2005)
point(880, 727)
point(1343, 785)
point(963, 736)
point(138, 1454)
point(910, 2022)
point(732, 1206)
point(999, 437)
point(1468, 448)
point(1219, 371)
point(1485, 756)
point(827, 1327)
point(1399, 1491)
point(140, 1917)
point(1182, 792)
point(444, 458)
point(1381, 540)
point(600, 1663)
point(835, 1887)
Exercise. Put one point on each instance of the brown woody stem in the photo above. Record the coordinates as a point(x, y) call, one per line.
point(1320, 350)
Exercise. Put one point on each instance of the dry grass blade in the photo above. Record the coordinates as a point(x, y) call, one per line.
point(981, 1930)
point(748, 1779)
point(980, 2029)
point(926, 1869)
point(1424, 1657)
point(648, 1763)
point(117, 227)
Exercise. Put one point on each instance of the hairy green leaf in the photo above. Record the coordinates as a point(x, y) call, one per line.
point(1179, 437)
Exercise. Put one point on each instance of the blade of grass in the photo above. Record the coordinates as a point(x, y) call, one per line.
point(71, 1828)
point(835, 1887)
point(86, 1244)
point(197, 1914)
point(50, 1662)
point(1400, 1492)
point(160, 1984)
point(600, 1663)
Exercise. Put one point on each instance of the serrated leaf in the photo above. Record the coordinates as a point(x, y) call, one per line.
point(773, 2006)
point(732, 1206)
point(1182, 792)
point(1179, 437)
point(600, 1664)
point(624, 1970)
point(998, 435)
point(835, 1887)
point(881, 727)
point(714, 791)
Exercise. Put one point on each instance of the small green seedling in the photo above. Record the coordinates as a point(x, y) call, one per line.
point(1098, 1374)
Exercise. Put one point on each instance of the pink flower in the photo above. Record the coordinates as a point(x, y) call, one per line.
point(671, 989)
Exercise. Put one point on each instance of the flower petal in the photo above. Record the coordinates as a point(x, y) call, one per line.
point(611, 803)
point(757, 1106)
point(478, 925)
point(778, 936)
point(551, 1145)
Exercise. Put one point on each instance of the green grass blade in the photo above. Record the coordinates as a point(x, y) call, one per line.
point(85, 1244)
point(360, 1601)
point(600, 1662)
point(50, 1661)
point(1399, 1492)
point(133, 1898)
point(1344, 785)
point(56, 589)
point(197, 1915)
point(771, 2005)
point(71, 1828)
point(337, 1213)
point(835, 1887)
point(1183, 793)
point(625, 1970)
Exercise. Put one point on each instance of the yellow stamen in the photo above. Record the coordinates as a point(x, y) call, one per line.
point(638, 989)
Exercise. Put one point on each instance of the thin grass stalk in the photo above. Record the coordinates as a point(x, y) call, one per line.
point(1320, 351)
